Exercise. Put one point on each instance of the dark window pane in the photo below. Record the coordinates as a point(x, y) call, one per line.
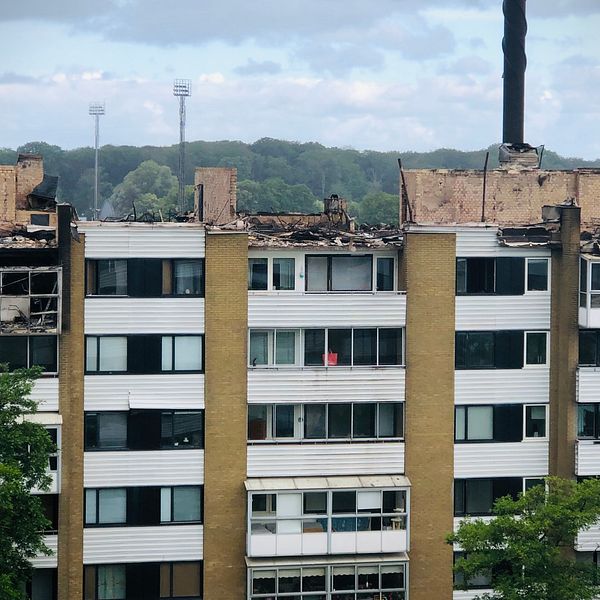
point(257, 273)
point(339, 350)
point(284, 273)
point(390, 346)
point(535, 421)
point(13, 351)
point(315, 503)
point(314, 346)
point(537, 274)
point(391, 421)
point(479, 496)
point(284, 420)
point(91, 430)
point(313, 580)
point(510, 276)
point(15, 283)
point(314, 421)
point(385, 274)
point(257, 421)
point(351, 273)
point(365, 346)
point(392, 576)
point(461, 275)
point(586, 421)
point(368, 578)
point(188, 275)
point(583, 275)
point(587, 348)
point(112, 430)
point(480, 275)
point(42, 351)
point(188, 429)
point(508, 422)
point(459, 497)
point(339, 420)
point(112, 277)
point(460, 349)
point(343, 502)
point(50, 507)
point(394, 502)
point(264, 582)
point(289, 580)
point(364, 420)
point(531, 483)
point(479, 350)
point(343, 579)
point(144, 354)
point(144, 431)
point(536, 348)
point(595, 276)
point(44, 283)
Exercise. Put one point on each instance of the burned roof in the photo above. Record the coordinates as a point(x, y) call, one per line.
point(46, 190)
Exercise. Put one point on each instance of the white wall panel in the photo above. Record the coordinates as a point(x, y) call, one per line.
point(326, 385)
point(298, 460)
point(143, 240)
point(45, 393)
point(518, 459)
point(117, 392)
point(502, 386)
point(47, 562)
point(588, 384)
point(144, 315)
point(142, 544)
point(470, 595)
point(588, 541)
point(587, 458)
point(483, 241)
point(129, 468)
point(529, 311)
point(278, 309)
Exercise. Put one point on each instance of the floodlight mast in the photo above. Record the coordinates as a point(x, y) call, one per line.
point(97, 109)
point(182, 88)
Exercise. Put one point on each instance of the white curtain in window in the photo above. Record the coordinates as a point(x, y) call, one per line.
point(316, 273)
point(113, 354)
point(285, 352)
point(351, 273)
point(480, 424)
point(368, 501)
point(113, 505)
point(259, 348)
point(188, 353)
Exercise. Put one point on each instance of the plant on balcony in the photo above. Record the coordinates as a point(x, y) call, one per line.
point(24, 450)
point(525, 551)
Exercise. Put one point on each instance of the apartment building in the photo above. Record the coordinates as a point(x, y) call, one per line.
point(288, 406)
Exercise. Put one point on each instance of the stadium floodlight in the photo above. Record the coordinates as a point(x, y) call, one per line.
point(182, 88)
point(96, 110)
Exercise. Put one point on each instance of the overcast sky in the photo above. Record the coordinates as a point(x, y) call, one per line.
point(376, 74)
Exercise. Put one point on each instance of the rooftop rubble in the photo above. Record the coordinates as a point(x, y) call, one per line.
point(21, 237)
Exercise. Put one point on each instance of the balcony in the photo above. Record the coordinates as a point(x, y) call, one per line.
point(587, 458)
point(327, 516)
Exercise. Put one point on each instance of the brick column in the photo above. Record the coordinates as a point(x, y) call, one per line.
point(226, 326)
point(430, 264)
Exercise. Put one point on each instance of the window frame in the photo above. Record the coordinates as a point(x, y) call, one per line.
point(29, 352)
point(271, 274)
point(329, 258)
point(170, 566)
point(466, 440)
point(96, 523)
point(527, 365)
point(548, 275)
point(596, 436)
point(527, 438)
point(172, 489)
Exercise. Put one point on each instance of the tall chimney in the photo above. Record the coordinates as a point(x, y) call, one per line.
point(515, 63)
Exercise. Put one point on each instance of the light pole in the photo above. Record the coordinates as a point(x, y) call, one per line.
point(182, 88)
point(96, 110)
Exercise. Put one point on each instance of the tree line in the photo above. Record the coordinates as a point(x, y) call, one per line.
point(273, 175)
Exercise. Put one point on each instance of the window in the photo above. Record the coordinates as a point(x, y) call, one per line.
point(583, 286)
point(144, 354)
point(477, 496)
point(385, 579)
point(53, 457)
point(50, 507)
point(339, 273)
point(480, 581)
point(595, 285)
point(589, 354)
point(274, 347)
point(535, 421)
point(42, 585)
point(144, 430)
point(110, 582)
point(385, 274)
point(107, 506)
point(257, 273)
point(486, 275)
point(284, 273)
point(181, 580)
point(535, 347)
point(491, 349)
point(335, 421)
point(537, 274)
point(145, 277)
point(22, 351)
point(181, 504)
point(490, 423)
point(588, 421)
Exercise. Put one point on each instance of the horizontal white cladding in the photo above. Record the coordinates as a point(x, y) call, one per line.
point(483, 241)
point(143, 240)
point(47, 562)
point(335, 384)
point(457, 521)
point(156, 467)
point(143, 315)
point(469, 595)
point(142, 544)
point(45, 393)
point(288, 309)
point(589, 540)
point(587, 458)
point(502, 386)
point(122, 392)
point(529, 311)
point(588, 384)
point(513, 459)
point(307, 460)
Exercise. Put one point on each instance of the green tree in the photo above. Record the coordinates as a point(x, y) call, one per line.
point(528, 546)
point(379, 207)
point(149, 187)
point(24, 450)
point(274, 195)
